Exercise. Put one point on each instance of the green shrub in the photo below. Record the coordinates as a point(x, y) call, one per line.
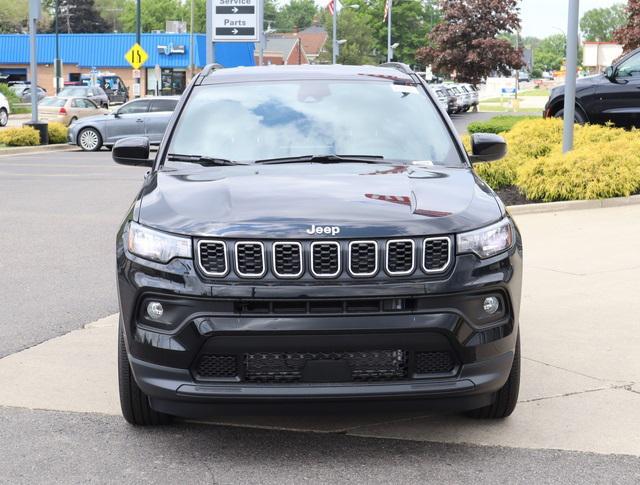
point(605, 162)
point(11, 96)
point(57, 133)
point(19, 137)
point(497, 124)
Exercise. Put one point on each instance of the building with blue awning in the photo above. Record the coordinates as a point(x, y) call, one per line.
point(104, 53)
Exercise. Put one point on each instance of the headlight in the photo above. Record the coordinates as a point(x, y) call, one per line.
point(156, 245)
point(488, 241)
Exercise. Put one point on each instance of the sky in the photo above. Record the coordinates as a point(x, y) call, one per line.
point(541, 17)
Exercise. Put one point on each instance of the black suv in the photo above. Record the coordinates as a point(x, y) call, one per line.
point(613, 96)
point(315, 234)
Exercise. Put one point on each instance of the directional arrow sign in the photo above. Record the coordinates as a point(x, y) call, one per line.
point(136, 56)
point(236, 20)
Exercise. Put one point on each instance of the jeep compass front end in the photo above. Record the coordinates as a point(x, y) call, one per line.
point(315, 234)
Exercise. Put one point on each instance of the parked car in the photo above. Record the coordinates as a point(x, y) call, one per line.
point(145, 117)
point(5, 110)
point(94, 93)
point(277, 253)
point(23, 91)
point(613, 96)
point(461, 104)
point(441, 95)
point(67, 110)
point(112, 84)
point(474, 97)
point(452, 100)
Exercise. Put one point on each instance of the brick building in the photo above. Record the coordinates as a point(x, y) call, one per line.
point(82, 53)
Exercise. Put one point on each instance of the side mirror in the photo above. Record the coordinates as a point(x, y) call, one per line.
point(487, 147)
point(609, 73)
point(133, 150)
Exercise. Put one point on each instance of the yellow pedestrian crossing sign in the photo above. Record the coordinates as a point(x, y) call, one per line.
point(136, 56)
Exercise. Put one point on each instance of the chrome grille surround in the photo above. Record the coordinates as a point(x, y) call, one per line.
point(214, 274)
point(237, 247)
point(443, 267)
point(413, 257)
point(349, 256)
point(312, 259)
point(274, 263)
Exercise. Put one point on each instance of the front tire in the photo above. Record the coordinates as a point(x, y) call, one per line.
point(506, 397)
point(133, 402)
point(4, 117)
point(89, 140)
point(578, 117)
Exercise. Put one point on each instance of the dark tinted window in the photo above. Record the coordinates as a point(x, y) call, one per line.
point(630, 67)
point(134, 107)
point(163, 105)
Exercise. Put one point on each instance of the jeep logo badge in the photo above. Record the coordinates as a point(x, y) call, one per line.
point(333, 230)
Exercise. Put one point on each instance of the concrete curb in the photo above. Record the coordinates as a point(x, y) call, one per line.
point(572, 205)
point(59, 147)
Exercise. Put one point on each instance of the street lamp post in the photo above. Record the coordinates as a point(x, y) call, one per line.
point(136, 81)
point(336, 44)
point(570, 82)
point(56, 62)
point(389, 46)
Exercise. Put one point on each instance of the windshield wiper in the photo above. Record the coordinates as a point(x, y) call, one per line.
point(202, 160)
point(325, 159)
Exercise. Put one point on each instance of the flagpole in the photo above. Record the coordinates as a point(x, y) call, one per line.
point(389, 55)
point(334, 51)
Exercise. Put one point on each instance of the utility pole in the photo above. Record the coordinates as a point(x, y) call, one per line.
point(191, 41)
point(334, 50)
point(572, 68)
point(41, 128)
point(389, 48)
point(57, 63)
point(263, 38)
point(136, 80)
point(211, 48)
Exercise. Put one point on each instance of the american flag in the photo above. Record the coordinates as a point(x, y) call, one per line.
point(387, 5)
point(331, 7)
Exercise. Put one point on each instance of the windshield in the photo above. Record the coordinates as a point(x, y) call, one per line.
point(266, 120)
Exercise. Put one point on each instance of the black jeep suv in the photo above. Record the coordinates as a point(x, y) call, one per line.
point(613, 96)
point(315, 234)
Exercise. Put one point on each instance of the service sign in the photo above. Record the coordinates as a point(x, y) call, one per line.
point(236, 20)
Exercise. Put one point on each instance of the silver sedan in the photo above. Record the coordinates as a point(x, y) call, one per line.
point(141, 117)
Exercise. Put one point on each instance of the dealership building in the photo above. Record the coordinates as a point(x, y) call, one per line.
point(105, 53)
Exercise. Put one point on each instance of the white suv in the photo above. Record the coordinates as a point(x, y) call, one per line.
point(4, 110)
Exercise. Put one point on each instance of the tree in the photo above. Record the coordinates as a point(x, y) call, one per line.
point(111, 11)
point(466, 42)
point(154, 14)
point(356, 29)
point(298, 14)
point(629, 34)
point(600, 24)
point(550, 53)
point(13, 16)
point(77, 17)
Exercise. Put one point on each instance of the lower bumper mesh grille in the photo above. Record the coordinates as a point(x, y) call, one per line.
point(294, 367)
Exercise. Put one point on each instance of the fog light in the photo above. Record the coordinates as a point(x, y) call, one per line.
point(491, 304)
point(155, 310)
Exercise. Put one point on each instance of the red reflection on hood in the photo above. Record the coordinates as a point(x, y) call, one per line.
point(406, 200)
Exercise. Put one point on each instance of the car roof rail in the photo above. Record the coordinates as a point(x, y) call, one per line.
point(209, 68)
point(400, 66)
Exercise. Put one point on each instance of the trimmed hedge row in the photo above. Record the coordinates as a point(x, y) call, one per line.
point(497, 124)
point(27, 136)
point(605, 162)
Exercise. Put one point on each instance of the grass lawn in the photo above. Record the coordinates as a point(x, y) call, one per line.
point(497, 108)
point(536, 92)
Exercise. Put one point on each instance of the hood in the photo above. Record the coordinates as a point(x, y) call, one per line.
point(284, 200)
point(583, 83)
point(93, 119)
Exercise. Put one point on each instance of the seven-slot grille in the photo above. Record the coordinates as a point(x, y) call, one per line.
point(323, 259)
point(250, 259)
point(436, 254)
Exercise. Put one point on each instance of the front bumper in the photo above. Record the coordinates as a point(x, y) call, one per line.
point(439, 315)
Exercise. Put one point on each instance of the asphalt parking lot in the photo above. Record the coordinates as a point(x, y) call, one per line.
point(578, 419)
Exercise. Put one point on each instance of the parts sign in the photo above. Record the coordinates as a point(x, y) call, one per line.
point(236, 20)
